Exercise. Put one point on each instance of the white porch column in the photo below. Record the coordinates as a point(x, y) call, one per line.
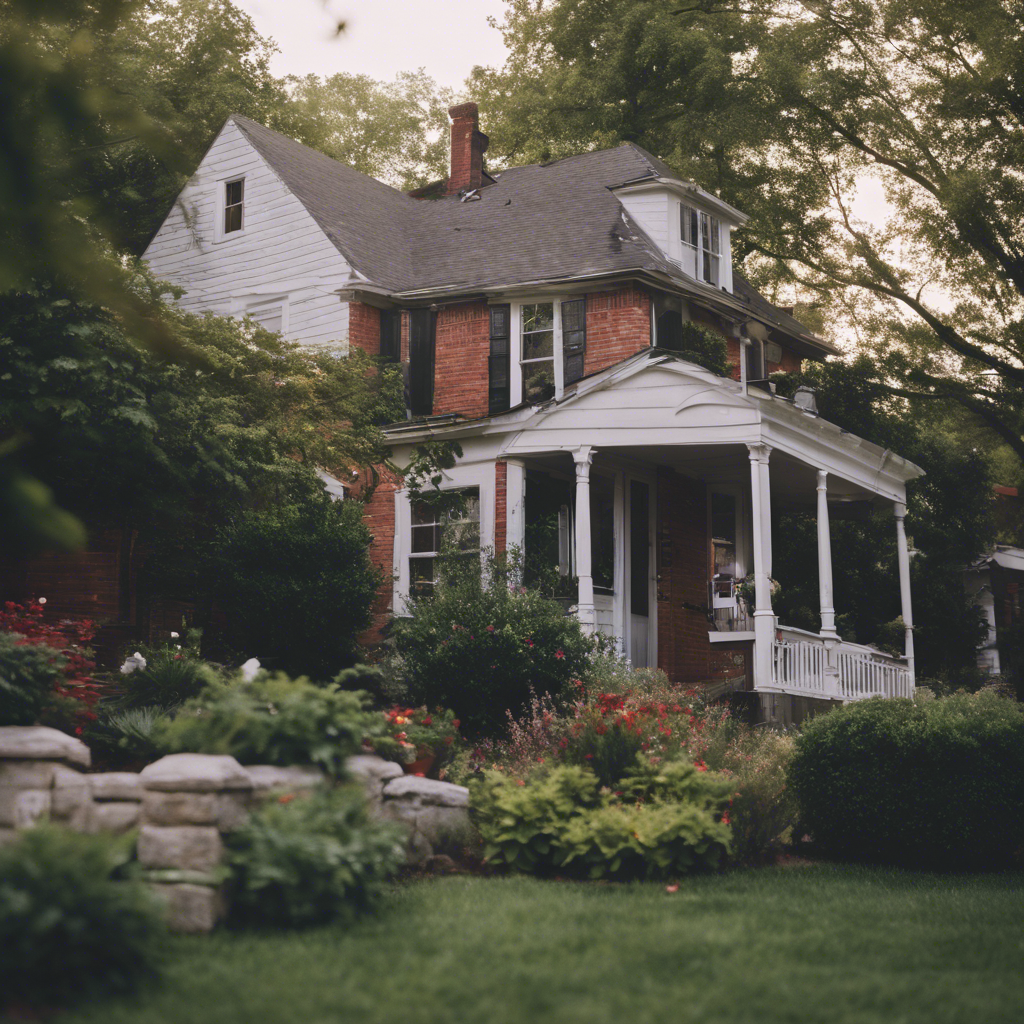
point(828, 611)
point(515, 507)
point(583, 457)
point(903, 557)
point(764, 617)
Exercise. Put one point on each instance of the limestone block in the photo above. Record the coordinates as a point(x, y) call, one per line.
point(114, 816)
point(445, 827)
point(192, 909)
point(116, 786)
point(426, 792)
point(23, 808)
point(27, 774)
point(373, 771)
point(179, 808)
point(270, 780)
point(192, 847)
point(195, 773)
point(232, 810)
point(41, 743)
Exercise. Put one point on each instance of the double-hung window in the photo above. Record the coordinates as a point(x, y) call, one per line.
point(234, 195)
point(436, 531)
point(701, 237)
point(537, 352)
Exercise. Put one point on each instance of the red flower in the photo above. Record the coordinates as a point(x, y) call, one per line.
point(490, 629)
point(456, 723)
point(558, 654)
point(428, 720)
point(589, 757)
point(519, 782)
point(286, 799)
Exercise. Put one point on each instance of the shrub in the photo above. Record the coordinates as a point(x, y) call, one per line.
point(296, 583)
point(74, 692)
point(68, 930)
point(273, 720)
point(672, 821)
point(28, 674)
point(166, 675)
point(311, 858)
point(481, 643)
point(126, 738)
point(937, 784)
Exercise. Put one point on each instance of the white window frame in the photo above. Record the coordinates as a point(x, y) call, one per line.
point(516, 341)
point(263, 306)
point(220, 235)
point(458, 478)
point(692, 261)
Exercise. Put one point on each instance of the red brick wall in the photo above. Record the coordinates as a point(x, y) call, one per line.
point(364, 327)
point(683, 647)
point(379, 513)
point(732, 662)
point(461, 349)
point(500, 506)
point(618, 326)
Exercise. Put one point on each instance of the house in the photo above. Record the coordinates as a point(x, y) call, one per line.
point(993, 582)
point(543, 317)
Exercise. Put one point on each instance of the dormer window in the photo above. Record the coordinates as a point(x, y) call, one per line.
point(701, 235)
point(234, 193)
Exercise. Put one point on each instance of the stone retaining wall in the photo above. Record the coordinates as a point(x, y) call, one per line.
point(184, 803)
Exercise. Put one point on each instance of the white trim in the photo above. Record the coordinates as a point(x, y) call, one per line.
point(516, 345)
point(480, 475)
point(220, 206)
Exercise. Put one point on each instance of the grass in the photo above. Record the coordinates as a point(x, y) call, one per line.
point(809, 946)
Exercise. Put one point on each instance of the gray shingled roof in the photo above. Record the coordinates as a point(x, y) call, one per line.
point(543, 222)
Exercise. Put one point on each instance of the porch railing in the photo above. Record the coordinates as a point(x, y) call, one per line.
point(807, 665)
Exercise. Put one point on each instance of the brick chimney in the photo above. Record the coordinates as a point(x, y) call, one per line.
point(468, 147)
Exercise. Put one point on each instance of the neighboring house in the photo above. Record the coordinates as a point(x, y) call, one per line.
point(541, 316)
point(994, 583)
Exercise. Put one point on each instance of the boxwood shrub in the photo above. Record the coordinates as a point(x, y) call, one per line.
point(936, 784)
point(69, 929)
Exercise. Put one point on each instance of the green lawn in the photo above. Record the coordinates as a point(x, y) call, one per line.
point(807, 945)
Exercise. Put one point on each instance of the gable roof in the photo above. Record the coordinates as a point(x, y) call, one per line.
point(535, 224)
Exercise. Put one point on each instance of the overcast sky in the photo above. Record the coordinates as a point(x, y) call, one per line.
point(382, 37)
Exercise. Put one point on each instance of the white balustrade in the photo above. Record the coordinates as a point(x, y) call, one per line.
point(801, 662)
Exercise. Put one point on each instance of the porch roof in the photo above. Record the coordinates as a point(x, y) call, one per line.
point(676, 412)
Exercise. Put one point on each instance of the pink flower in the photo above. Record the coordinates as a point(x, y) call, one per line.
point(490, 629)
point(559, 654)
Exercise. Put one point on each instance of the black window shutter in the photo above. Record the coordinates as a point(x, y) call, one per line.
point(391, 335)
point(422, 323)
point(499, 395)
point(574, 339)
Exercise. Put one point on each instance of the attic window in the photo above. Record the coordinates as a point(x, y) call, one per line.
point(233, 195)
point(701, 235)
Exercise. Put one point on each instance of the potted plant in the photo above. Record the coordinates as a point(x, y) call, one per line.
point(745, 590)
point(419, 739)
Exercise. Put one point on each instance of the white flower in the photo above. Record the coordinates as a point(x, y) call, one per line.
point(136, 661)
point(174, 636)
point(42, 600)
point(249, 669)
point(178, 646)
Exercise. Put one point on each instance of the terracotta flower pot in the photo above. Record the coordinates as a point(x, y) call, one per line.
point(420, 766)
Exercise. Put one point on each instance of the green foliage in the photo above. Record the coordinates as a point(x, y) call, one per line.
point(705, 347)
point(173, 673)
point(28, 674)
point(608, 748)
point(68, 929)
point(481, 643)
point(273, 720)
point(935, 784)
point(310, 859)
point(296, 583)
point(561, 820)
point(127, 738)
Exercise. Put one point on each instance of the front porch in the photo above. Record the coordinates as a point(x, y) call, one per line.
point(670, 543)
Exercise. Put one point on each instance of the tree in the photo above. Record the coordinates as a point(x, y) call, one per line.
point(784, 107)
point(395, 131)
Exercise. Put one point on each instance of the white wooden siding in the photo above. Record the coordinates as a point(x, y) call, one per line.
point(651, 211)
point(282, 255)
